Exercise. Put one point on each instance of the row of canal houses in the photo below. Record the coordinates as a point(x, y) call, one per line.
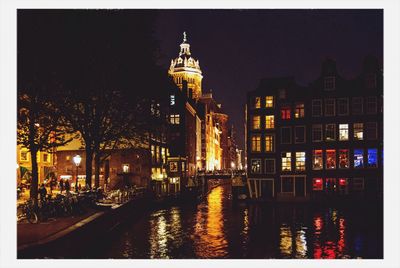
point(316, 141)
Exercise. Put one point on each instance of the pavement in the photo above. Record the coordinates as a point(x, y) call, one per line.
point(31, 234)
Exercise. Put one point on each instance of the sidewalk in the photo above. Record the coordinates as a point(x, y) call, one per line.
point(32, 234)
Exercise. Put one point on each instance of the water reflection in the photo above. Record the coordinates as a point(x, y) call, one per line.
point(209, 229)
point(216, 228)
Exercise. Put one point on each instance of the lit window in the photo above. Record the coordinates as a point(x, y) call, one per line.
point(343, 132)
point(330, 159)
point(343, 106)
point(344, 161)
point(329, 107)
point(256, 122)
point(153, 152)
point(285, 112)
point(371, 105)
point(358, 158)
point(299, 110)
point(330, 132)
point(299, 134)
point(318, 184)
point(286, 135)
point(270, 166)
point(163, 156)
point(358, 184)
point(357, 105)
point(286, 161)
point(329, 83)
point(269, 101)
point(269, 143)
point(316, 107)
point(269, 121)
point(23, 156)
point(317, 162)
point(256, 143)
point(172, 100)
point(174, 119)
point(287, 184)
point(157, 154)
point(256, 166)
point(371, 131)
point(372, 158)
point(125, 168)
point(257, 102)
point(358, 131)
point(316, 133)
point(300, 161)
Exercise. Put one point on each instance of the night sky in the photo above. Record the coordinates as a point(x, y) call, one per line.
point(236, 48)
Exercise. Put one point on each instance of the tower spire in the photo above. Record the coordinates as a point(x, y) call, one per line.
point(184, 37)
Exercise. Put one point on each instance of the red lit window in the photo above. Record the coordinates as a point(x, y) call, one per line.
point(285, 112)
point(342, 182)
point(330, 159)
point(318, 184)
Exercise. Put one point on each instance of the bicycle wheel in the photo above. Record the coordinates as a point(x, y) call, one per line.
point(32, 217)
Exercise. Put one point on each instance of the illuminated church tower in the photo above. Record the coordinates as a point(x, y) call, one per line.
point(186, 68)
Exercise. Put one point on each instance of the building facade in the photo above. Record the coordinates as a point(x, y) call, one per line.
point(317, 141)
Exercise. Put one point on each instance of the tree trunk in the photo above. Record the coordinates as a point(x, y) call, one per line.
point(97, 169)
point(35, 176)
point(89, 158)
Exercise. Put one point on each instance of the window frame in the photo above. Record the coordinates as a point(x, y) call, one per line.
point(348, 158)
point(314, 126)
point(376, 160)
point(285, 108)
point(274, 165)
point(347, 106)
point(339, 138)
point(299, 110)
point(368, 102)
point(326, 159)
point(357, 102)
point(304, 134)
point(290, 131)
point(333, 105)
point(251, 165)
point(334, 132)
point(251, 143)
point(313, 108)
point(272, 145)
point(354, 158)
point(321, 156)
point(266, 101)
point(332, 81)
point(354, 131)
point(290, 162)
point(268, 123)
point(296, 161)
point(366, 131)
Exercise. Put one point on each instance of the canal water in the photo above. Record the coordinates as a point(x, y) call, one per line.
point(221, 228)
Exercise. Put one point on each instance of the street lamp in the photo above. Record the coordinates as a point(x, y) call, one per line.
point(77, 160)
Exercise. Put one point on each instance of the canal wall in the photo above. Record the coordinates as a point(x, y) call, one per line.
point(80, 237)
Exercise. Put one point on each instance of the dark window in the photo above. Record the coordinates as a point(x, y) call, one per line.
point(357, 105)
point(287, 184)
point(316, 107)
point(343, 106)
point(329, 107)
point(270, 166)
point(329, 83)
point(330, 132)
point(316, 133)
point(371, 131)
point(299, 134)
point(371, 105)
point(286, 135)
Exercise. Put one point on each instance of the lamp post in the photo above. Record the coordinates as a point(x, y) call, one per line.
point(77, 160)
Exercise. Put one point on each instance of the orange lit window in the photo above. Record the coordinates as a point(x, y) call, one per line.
point(344, 161)
point(256, 123)
point(269, 143)
point(299, 110)
point(257, 102)
point(256, 143)
point(330, 159)
point(285, 112)
point(317, 162)
point(269, 121)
